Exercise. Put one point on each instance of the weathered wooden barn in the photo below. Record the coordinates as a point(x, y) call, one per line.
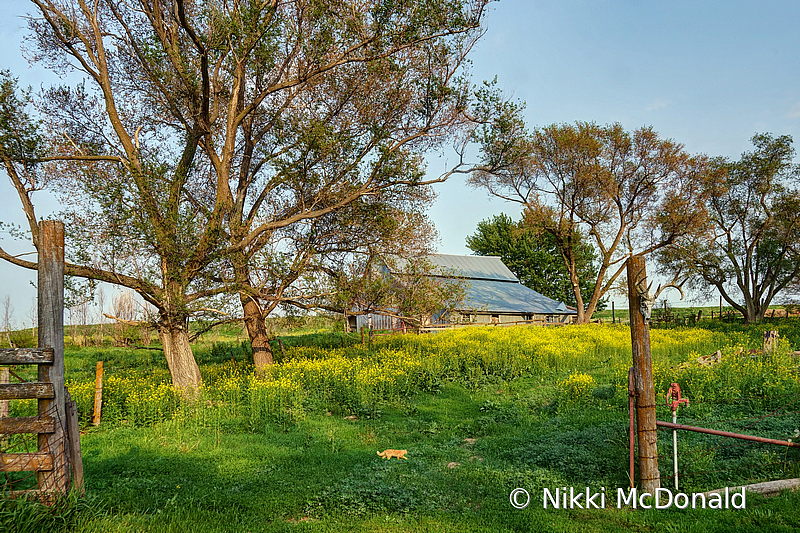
point(494, 295)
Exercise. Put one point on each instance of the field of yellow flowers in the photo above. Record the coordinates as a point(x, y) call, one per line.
point(358, 379)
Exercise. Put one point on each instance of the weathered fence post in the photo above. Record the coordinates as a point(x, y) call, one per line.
point(770, 341)
point(640, 306)
point(51, 334)
point(98, 394)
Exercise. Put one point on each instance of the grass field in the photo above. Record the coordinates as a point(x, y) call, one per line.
point(480, 412)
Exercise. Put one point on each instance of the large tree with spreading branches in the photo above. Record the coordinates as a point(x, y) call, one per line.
point(623, 192)
point(213, 143)
point(749, 247)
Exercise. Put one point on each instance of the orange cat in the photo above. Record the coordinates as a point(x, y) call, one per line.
point(400, 454)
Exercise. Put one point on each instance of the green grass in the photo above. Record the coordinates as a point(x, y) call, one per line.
point(323, 474)
point(471, 439)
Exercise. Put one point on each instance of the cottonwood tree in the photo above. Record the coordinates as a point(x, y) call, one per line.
point(204, 131)
point(626, 192)
point(534, 257)
point(380, 96)
point(749, 250)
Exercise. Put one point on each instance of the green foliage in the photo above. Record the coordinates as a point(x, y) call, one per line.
point(585, 180)
point(380, 486)
point(747, 244)
point(576, 390)
point(19, 131)
point(534, 257)
point(66, 514)
point(758, 379)
point(24, 338)
point(321, 373)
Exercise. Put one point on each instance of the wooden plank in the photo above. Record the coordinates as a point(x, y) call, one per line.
point(42, 496)
point(74, 436)
point(26, 462)
point(22, 391)
point(767, 487)
point(29, 424)
point(26, 356)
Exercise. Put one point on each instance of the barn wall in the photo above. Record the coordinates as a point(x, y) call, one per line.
point(378, 322)
point(382, 322)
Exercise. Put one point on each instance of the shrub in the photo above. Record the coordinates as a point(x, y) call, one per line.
point(576, 390)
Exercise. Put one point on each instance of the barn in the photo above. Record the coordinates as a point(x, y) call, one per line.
point(494, 295)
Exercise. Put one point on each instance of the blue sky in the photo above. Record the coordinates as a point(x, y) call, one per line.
point(708, 74)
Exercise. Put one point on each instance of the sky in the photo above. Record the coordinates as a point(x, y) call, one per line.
point(707, 74)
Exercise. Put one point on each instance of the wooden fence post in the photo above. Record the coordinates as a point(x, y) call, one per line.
point(98, 394)
point(51, 334)
point(770, 341)
point(631, 425)
point(646, 429)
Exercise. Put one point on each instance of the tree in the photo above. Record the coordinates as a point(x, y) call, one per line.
point(534, 257)
point(8, 313)
point(213, 137)
point(750, 245)
point(628, 193)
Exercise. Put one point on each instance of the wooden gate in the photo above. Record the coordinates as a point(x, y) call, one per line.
point(56, 423)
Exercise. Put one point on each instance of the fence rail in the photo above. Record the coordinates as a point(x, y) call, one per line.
point(26, 356)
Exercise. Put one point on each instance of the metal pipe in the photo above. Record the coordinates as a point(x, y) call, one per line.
point(675, 447)
point(669, 425)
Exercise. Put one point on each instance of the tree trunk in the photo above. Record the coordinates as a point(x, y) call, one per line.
point(254, 316)
point(754, 310)
point(582, 317)
point(255, 322)
point(180, 359)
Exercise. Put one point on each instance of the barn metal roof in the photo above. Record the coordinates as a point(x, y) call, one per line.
point(473, 267)
point(491, 287)
point(486, 296)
